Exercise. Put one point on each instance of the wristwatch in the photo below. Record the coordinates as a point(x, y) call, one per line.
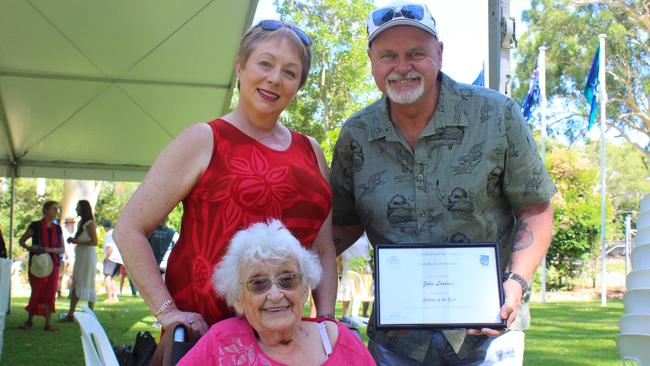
point(513, 276)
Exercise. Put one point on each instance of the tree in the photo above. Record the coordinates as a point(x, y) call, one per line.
point(627, 182)
point(339, 83)
point(576, 218)
point(570, 28)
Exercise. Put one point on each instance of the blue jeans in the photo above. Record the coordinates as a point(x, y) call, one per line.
point(441, 353)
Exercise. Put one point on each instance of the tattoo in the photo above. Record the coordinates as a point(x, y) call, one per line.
point(523, 237)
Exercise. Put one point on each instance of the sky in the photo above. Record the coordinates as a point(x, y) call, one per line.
point(463, 33)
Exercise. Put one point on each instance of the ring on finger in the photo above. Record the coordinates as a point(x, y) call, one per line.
point(191, 322)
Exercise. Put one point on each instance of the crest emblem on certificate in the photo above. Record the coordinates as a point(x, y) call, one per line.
point(485, 260)
point(392, 261)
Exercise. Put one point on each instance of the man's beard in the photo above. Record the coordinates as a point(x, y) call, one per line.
point(407, 96)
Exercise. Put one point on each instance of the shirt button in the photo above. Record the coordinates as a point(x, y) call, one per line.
point(420, 177)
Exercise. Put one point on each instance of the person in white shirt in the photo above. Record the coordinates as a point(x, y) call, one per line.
point(112, 261)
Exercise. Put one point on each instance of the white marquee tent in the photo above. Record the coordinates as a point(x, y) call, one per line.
point(94, 89)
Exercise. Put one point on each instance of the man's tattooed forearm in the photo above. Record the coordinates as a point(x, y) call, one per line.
point(523, 237)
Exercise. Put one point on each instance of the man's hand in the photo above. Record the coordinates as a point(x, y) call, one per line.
point(513, 293)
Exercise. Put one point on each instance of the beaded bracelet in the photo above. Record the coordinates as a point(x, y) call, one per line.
point(164, 307)
point(328, 316)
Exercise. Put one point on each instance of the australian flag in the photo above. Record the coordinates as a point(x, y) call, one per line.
point(591, 86)
point(532, 97)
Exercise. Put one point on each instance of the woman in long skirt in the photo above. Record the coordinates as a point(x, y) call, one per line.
point(47, 239)
point(85, 264)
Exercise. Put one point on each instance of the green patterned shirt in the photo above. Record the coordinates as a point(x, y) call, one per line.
point(472, 166)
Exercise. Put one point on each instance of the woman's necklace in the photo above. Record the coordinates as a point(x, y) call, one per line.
point(264, 137)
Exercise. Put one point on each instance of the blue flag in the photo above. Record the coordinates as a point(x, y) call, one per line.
point(532, 97)
point(590, 87)
point(480, 79)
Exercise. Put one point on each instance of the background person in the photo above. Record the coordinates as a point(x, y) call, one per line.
point(85, 263)
point(230, 173)
point(160, 239)
point(266, 276)
point(3, 247)
point(67, 263)
point(47, 239)
point(111, 268)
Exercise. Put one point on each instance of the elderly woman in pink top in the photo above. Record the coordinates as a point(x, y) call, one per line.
point(266, 276)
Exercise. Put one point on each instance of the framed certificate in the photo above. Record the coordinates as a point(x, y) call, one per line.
point(438, 286)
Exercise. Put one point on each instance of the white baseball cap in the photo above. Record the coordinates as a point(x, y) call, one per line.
point(400, 13)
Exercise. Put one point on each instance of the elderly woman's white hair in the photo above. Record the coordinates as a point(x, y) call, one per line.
point(261, 242)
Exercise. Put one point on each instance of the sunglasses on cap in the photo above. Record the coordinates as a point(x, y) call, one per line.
point(285, 281)
point(271, 25)
point(383, 15)
point(416, 15)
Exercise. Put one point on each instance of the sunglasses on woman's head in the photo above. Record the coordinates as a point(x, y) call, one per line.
point(271, 25)
point(285, 281)
point(383, 15)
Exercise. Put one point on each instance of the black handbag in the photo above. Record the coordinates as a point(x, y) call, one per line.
point(143, 350)
point(123, 354)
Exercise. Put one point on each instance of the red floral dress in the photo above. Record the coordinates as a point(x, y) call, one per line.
point(246, 182)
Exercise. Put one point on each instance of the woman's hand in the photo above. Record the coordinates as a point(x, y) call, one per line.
point(36, 249)
point(194, 322)
point(72, 240)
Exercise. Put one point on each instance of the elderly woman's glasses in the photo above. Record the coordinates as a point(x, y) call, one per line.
point(271, 25)
point(381, 16)
point(285, 281)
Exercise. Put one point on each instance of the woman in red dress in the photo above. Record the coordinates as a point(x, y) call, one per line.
point(239, 169)
point(46, 238)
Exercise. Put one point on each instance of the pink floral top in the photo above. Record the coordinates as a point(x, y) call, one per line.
point(231, 342)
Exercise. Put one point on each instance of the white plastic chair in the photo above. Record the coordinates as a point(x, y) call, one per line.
point(643, 221)
point(638, 279)
point(634, 349)
point(635, 324)
point(645, 203)
point(2, 331)
point(97, 348)
point(5, 284)
point(88, 310)
point(637, 302)
point(641, 257)
point(361, 294)
point(642, 236)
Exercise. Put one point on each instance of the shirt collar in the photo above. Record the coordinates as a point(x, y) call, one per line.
point(449, 112)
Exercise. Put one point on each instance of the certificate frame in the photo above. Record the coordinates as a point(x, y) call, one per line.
point(387, 261)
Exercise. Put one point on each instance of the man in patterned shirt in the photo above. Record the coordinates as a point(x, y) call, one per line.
point(435, 161)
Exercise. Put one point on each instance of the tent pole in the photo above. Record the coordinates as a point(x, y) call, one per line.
point(12, 205)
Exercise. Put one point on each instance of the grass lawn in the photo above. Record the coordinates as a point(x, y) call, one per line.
point(573, 333)
point(563, 333)
point(121, 321)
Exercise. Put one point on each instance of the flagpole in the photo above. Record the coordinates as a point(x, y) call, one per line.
point(603, 188)
point(542, 92)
